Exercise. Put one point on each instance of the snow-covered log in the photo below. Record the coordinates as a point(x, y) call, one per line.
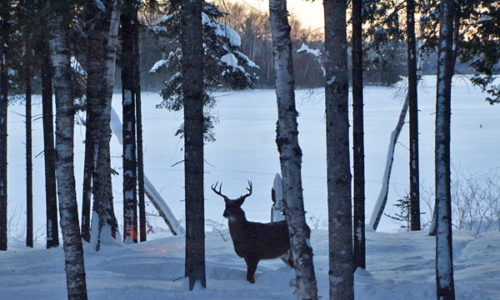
point(152, 194)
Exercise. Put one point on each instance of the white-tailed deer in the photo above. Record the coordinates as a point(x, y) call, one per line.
point(253, 241)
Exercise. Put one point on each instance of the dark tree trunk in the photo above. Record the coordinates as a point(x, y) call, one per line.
point(413, 109)
point(129, 93)
point(290, 152)
point(48, 145)
point(73, 250)
point(358, 136)
point(88, 171)
point(4, 101)
point(101, 55)
point(192, 86)
point(29, 151)
point(140, 155)
point(444, 248)
point(337, 140)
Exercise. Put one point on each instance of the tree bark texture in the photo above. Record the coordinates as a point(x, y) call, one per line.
point(290, 152)
point(337, 140)
point(128, 60)
point(48, 144)
point(192, 86)
point(444, 250)
point(73, 250)
point(358, 136)
point(88, 171)
point(101, 36)
point(413, 109)
point(5, 7)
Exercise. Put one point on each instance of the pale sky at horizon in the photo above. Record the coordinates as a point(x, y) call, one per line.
point(309, 13)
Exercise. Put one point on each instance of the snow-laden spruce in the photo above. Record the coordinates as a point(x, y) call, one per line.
point(224, 63)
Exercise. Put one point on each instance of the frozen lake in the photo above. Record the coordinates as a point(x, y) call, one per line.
point(245, 150)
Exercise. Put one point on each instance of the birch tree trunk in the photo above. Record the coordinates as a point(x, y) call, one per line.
point(337, 141)
point(413, 109)
point(102, 31)
point(48, 143)
point(358, 136)
point(5, 7)
point(290, 152)
point(192, 87)
point(444, 250)
point(129, 94)
point(73, 250)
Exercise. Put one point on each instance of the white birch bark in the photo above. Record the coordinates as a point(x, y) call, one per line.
point(73, 250)
point(290, 153)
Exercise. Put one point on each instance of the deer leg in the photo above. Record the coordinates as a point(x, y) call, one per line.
point(251, 268)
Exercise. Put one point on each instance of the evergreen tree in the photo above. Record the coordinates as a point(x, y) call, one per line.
point(5, 31)
point(358, 136)
point(225, 64)
point(337, 146)
point(193, 94)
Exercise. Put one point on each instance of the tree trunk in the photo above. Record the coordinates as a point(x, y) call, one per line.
point(88, 171)
point(48, 144)
point(4, 101)
point(338, 168)
point(102, 36)
point(140, 153)
point(29, 151)
point(192, 86)
point(358, 139)
point(129, 93)
point(290, 152)
point(73, 250)
point(444, 250)
point(378, 210)
point(413, 109)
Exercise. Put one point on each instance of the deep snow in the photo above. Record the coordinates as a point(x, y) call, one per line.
point(245, 150)
point(399, 266)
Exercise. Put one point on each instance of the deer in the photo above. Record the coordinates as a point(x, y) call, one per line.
point(253, 241)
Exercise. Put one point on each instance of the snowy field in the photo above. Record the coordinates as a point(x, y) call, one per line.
point(399, 266)
point(245, 150)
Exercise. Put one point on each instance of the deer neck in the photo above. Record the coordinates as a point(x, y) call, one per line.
point(237, 226)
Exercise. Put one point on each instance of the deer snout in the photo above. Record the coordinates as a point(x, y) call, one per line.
point(226, 214)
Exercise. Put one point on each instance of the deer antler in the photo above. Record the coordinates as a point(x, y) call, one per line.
point(249, 189)
point(218, 192)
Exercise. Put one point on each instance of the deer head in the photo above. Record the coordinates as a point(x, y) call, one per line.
point(233, 209)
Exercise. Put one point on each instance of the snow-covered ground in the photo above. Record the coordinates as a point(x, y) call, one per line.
point(399, 266)
point(245, 150)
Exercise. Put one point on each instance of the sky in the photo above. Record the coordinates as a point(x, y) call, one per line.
point(310, 13)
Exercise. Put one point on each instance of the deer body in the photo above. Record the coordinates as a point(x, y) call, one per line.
point(254, 241)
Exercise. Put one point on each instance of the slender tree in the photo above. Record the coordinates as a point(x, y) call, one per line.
point(88, 171)
point(73, 250)
point(140, 153)
point(29, 148)
point(358, 136)
point(129, 24)
point(290, 152)
point(48, 141)
point(192, 86)
point(102, 30)
point(5, 10)
point(444, 250)
point(413, 112)
point(337, 141)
